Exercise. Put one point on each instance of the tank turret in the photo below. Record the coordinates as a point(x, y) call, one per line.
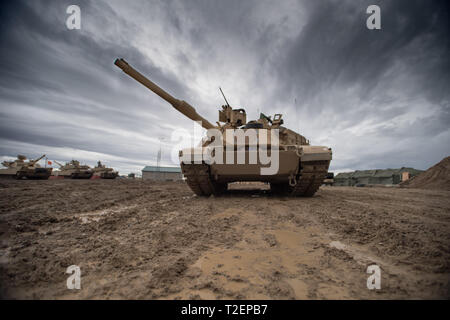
point(34, 162)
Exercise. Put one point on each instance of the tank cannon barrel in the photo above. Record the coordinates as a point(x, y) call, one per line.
point(182, 106)
point(32, 162)
point(7, 163)
point(59, 164)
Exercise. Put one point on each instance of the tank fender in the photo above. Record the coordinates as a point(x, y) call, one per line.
point(314, 153)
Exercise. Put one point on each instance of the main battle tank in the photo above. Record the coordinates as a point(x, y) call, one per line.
point(73, 170)
point(22, 169)
point(101, 171)
point(300, 170)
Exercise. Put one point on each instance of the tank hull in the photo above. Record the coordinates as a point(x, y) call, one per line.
point(8, 173)
point(35, 174)
point(105, 175)
point(108, 175)
point(81, 175)
point(26, 173)
point(74, 175)
point(288, 165)
point(300, 172)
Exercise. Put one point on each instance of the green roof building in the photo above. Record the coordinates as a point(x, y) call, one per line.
point(373, 177)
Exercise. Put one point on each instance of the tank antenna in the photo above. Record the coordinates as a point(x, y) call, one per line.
point(296, 115)
point(158, 158)
point(224, 97)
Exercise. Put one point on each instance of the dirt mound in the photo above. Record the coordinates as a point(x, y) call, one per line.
point(437, 177)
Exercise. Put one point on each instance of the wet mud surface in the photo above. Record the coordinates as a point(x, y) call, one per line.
point(135, 239)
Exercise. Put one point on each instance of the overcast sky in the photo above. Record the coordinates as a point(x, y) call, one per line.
point(379, 98)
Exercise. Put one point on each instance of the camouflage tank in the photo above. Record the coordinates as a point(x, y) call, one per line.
point(73, 170)
point(101, 171)
point(300, 168)
point(22, 169)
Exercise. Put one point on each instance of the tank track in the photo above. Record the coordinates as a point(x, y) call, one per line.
point(198, 179)
point(311, 178)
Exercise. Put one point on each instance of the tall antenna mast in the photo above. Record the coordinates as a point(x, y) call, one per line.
point(296, 115)
point(224, 97)
point(158, 158)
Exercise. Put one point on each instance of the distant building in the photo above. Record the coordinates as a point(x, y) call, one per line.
point(161, 173)
point(378, 176)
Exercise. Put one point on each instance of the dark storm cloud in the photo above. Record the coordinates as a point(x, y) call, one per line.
point(379, 98)
point(68, 75)
point(334, 48)
point(406, 61)
point(26, 65)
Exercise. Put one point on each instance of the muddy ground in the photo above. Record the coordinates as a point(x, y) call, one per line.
point(141, 240)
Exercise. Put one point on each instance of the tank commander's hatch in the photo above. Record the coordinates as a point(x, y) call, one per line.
point(236, 117)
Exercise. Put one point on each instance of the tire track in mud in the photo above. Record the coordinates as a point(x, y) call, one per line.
point(279, 257)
